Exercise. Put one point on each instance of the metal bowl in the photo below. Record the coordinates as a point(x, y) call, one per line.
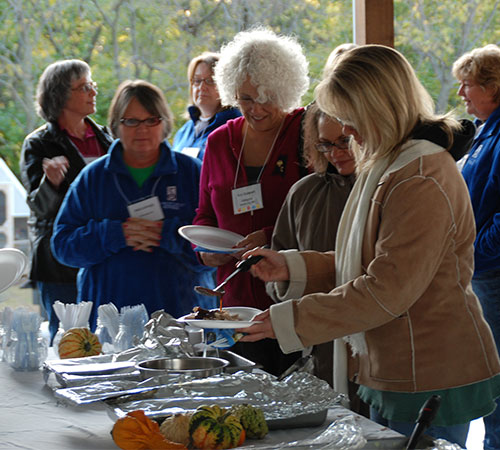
point(197, 367)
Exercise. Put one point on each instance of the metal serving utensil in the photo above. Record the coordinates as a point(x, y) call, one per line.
point(242, 266)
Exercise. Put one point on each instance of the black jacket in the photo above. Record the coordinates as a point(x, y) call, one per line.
point(44, 200)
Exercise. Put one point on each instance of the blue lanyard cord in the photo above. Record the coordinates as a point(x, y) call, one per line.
point(120, 190)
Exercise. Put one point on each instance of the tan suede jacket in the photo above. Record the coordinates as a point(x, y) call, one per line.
point(423, 324)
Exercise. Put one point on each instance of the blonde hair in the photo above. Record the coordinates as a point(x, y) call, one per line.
point(374, 89)
point(335, 53)
point(209, 58)
point(482, 66)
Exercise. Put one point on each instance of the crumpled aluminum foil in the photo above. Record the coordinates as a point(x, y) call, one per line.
point(298, 394)
point(163, 337)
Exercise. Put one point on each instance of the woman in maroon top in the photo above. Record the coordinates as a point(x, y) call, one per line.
point(255, 158)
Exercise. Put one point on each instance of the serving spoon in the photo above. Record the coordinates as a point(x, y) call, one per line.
point(242, 266)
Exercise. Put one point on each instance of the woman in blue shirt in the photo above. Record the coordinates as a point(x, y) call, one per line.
point(119, 220)
point(479, 75)
point(205, 112)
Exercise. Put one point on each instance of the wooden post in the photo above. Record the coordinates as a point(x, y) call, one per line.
point(373, 22)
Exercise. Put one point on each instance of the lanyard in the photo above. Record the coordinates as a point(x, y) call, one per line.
point(120, 190)
point(267, 157)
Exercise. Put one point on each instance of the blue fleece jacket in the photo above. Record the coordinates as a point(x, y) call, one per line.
point(186, 136)
point(482, 175)
point(88, 234)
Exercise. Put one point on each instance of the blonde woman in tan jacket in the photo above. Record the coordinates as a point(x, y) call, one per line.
point(398, 286)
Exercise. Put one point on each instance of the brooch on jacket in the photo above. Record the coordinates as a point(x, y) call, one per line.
point(280, 167)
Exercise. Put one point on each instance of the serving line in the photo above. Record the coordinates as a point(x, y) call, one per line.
point(33, 419)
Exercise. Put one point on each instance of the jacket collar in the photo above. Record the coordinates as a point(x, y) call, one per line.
point(462, 138)
point(166, 165)
point(57, 134)
point(219, 118)
point(235, 130)
point(491, 125)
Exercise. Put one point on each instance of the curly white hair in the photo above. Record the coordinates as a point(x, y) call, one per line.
point(275, 64)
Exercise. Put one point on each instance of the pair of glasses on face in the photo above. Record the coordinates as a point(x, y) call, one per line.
point(249, 102)
point(208, 81)
point(340, 144)
point(87, 87)
point(134, 123)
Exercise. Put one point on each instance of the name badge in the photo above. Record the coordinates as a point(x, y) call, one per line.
point(248, 198)
point(191, 151)
point(147, 209)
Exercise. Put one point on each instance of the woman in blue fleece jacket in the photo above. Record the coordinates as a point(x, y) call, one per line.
point(479, 75)
point(119, 220)
point(205, 112)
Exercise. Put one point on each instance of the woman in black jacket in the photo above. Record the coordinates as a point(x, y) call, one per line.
point(51, 158)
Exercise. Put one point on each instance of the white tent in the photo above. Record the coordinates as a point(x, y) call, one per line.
point(14, 211)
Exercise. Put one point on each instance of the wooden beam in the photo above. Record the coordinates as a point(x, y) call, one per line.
point(373, 22)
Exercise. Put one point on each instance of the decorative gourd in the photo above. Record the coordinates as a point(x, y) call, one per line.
point(252, 419)
point(79, 342)
point(176, 428)
point(212, 427)
point(136, 431)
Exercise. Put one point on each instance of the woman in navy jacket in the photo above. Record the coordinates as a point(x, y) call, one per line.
point(205, 112)
point(479, 74)
point(119, 221)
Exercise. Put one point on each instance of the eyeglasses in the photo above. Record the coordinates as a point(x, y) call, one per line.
point(208, 81)
point(134, 123)
point(249, 102)
point(340, 144)
point(86, 88)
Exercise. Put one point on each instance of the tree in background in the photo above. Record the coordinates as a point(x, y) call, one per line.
point(433, 34)
point(155, 40)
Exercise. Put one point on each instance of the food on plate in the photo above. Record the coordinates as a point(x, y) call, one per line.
point(252, 419)
point(176, 428)
point(136, 431)
point(213, 427)
point(200, 313)
point(79, 342)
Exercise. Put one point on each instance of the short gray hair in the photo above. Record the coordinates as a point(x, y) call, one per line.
point(276, 66)
point(54, 87)
point(148, 95)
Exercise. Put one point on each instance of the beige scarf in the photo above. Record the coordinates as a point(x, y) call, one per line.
point(349, 241)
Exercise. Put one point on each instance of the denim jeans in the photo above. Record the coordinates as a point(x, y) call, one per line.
point(49, 293)
point(455, 433)
point(486, 285)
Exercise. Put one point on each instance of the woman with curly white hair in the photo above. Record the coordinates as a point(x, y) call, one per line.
point(251, 162)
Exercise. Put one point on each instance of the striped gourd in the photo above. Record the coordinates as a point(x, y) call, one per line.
point(79, 342)
point(212, 427)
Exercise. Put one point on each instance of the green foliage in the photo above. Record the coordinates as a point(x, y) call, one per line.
point(155, 39)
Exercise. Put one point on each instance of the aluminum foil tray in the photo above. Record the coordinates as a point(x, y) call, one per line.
point(97, 369)
point(301, 400)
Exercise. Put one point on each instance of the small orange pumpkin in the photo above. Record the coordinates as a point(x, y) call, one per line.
point(79, 342)
point(136, 431)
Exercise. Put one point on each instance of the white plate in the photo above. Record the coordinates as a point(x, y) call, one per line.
point(12, 265)
point(246, 314)
point(211, 238)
